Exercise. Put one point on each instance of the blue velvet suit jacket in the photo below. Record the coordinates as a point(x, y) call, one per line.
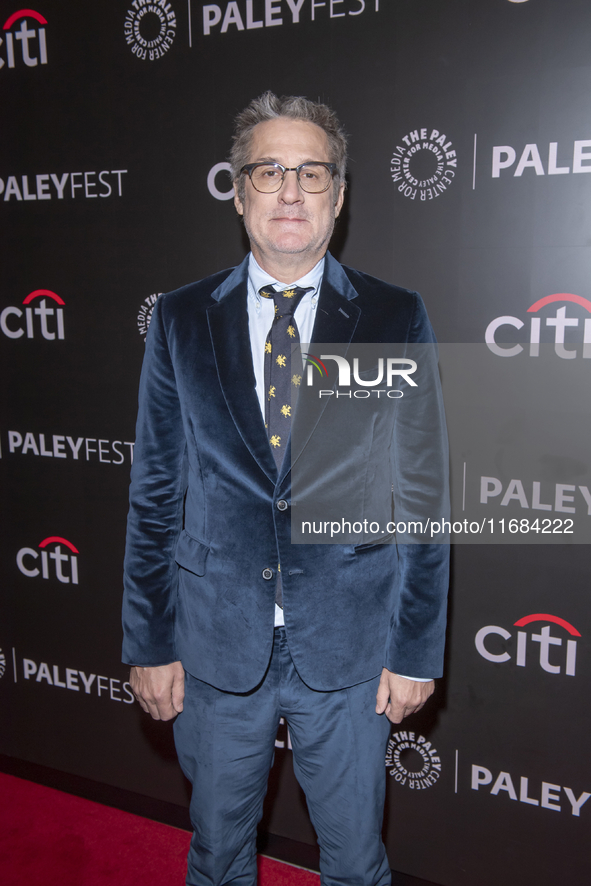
point(203, 522)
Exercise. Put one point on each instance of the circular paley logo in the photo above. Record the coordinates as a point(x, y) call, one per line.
point(412, 760)
point(150, 28)
point(424, 164)
point(2, 664)
point(144, 314)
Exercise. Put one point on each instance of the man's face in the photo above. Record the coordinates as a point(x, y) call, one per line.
point(289, 222)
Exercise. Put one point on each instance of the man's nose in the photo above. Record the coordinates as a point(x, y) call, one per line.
point(290, 191)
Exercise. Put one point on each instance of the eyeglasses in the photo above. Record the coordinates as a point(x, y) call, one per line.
point(314, 178)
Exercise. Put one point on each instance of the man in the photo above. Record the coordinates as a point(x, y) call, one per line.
point(227, 624)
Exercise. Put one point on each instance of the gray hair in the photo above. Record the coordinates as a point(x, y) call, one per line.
point(295, 107)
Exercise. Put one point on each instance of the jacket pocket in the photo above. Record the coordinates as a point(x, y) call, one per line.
point(378, 543)
point(191, 554)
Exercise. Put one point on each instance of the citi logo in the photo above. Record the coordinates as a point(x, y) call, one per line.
point(40, 318)
point(25, 44)
point(531, 646)
point(557, 323)
point(53, 561)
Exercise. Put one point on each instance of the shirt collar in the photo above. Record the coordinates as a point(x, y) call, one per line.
point(259, 278)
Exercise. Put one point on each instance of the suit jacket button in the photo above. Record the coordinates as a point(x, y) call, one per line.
point(267, 574)
point(282, 505)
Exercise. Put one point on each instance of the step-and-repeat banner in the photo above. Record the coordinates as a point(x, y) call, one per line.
point(470, 137)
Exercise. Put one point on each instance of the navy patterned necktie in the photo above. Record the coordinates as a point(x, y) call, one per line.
point(280, 382)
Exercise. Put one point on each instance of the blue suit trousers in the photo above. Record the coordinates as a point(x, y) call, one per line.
point(225, 743)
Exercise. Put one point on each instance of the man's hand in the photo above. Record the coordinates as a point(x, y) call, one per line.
point(398, 697)
point(160, 690)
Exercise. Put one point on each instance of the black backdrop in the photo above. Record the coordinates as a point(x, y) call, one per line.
point(105, 202)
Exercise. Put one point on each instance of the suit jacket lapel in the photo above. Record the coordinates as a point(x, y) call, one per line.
point(337, 314)
point(336, 320)
point(228, 326)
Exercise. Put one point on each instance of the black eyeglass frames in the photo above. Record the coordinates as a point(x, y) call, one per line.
point(313, 177)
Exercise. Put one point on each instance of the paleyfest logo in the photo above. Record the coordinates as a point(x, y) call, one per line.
point(33, 45)
point(47, 185)
point(150, 28)
point(75, 680)
point(231, 16)
point(424, 165)
point(516, 787)
point(44, 445)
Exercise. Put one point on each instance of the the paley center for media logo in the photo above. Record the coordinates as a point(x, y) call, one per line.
point(150, 28)
point(423, 164)
point(412, 760)
point(144, 314)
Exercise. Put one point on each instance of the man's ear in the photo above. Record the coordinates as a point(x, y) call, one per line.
point(339, 201)
point(237, 201)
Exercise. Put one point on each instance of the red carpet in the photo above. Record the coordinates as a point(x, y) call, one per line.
point(48, 838)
